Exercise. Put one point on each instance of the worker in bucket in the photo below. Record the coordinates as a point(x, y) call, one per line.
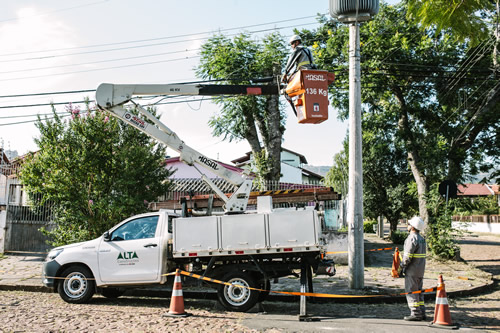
point(413, 267)
point(300, 58)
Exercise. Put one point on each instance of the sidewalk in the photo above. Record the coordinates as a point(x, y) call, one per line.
point(23, 272)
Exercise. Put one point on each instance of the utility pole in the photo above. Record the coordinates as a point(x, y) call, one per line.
point(352, 12)
point(355, 212)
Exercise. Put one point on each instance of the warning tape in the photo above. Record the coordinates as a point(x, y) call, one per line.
point(373, 250)
point(292, 293)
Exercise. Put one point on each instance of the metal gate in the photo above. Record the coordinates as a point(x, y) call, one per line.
point(23, 225)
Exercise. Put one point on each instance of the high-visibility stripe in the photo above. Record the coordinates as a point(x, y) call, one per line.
point(177, 279)
point(177, 292)
point(442, 300)
point(303, 63)
point(415, 255)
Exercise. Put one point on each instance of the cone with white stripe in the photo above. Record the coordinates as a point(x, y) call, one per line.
point(442, 316)
point(177, 300)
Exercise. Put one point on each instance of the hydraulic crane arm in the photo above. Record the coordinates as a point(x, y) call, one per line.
point(113, 98)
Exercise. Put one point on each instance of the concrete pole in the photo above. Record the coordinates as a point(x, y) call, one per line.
point(355, 209)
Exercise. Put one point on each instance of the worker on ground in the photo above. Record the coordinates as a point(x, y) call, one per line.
point(300, 58)
point(413, 267)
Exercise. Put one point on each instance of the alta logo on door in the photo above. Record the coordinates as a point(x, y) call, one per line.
point(127, 258)
point(316, 107)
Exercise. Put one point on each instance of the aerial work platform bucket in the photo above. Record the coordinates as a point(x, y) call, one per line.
point(310, 89)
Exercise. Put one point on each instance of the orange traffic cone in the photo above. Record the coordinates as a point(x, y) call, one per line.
point(442, 316)
point(177, 300)
point(395, 264)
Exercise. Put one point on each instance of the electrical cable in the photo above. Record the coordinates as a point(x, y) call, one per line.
point(161, 38)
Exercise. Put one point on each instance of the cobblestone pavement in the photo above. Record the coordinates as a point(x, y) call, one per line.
point(42, 312)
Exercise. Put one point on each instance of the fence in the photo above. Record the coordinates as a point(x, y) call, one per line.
point(477, 218)
point(23, 229)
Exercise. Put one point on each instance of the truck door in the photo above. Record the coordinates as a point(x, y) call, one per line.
point(133, 252)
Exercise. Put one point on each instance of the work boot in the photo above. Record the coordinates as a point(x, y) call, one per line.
point(413, 318)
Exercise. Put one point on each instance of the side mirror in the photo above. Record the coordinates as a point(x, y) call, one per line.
point(106, 236)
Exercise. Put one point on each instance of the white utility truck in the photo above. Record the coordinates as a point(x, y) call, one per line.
point(244, 248)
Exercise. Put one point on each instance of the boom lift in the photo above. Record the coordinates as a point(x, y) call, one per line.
point(113, 97)
point(309, 87)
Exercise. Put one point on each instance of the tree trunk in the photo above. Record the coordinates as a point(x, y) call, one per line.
point(275, 136)
point(413, 157)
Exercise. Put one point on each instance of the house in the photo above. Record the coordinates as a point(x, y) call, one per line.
point(478, 190)
point(292, 167)
point(4, 172)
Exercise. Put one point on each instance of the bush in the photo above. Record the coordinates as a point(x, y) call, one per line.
point(398, 237)
point(369, 226)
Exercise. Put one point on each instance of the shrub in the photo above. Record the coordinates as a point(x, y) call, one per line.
point(368, 226)
point(398, 237)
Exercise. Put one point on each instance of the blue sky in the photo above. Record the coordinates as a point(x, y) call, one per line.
point(59, 46)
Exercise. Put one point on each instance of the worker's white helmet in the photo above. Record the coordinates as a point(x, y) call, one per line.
point(417, 223)
point(294, 38)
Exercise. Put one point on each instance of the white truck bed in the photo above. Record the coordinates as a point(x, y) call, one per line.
point(269, 233)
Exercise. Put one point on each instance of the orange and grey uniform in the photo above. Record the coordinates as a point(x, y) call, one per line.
point(300, 58)
point(413, 264)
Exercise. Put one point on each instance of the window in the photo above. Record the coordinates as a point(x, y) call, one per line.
point(144, 227)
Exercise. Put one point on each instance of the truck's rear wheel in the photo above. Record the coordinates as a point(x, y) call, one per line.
point(236, 298)
point(77, 286)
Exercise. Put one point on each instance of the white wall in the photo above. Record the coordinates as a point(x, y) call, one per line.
point(478, 227)
point(3, 223)
point(290, 159)
point(290, 174)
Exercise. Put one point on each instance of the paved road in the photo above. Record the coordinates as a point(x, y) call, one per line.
point(42, 312)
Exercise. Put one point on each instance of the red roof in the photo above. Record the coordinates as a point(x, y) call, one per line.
point(227, 166)
point(475, 190)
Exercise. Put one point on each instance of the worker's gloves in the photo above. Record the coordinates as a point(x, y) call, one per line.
point(401, 271)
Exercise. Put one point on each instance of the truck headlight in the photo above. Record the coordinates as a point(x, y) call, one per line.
point(53, 254)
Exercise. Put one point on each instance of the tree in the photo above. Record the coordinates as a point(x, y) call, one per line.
point(258, 119)
point(478, 24)
point(409, 82)
point(94, 170)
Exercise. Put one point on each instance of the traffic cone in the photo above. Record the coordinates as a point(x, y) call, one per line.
point(177, 300)
point(442, 316)
point(395, 264)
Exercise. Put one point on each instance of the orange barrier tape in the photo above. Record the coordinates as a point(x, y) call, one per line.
point(373, 250)
point(295, 293)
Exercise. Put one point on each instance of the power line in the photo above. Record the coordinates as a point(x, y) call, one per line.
point(146, 45)
point(161, 38)
point(49, 93)
point(54, 11)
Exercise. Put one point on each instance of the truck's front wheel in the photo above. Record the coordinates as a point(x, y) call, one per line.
point(235, 297)
point(77, 285)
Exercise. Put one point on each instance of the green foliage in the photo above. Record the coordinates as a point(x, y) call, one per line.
point(440, 236)
point(262, 165)
point(466, 19)
point(94, 170)
point(338, 175)
point(368, 226)
point(258, 119)
point(474, 206)
point(398, 236)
